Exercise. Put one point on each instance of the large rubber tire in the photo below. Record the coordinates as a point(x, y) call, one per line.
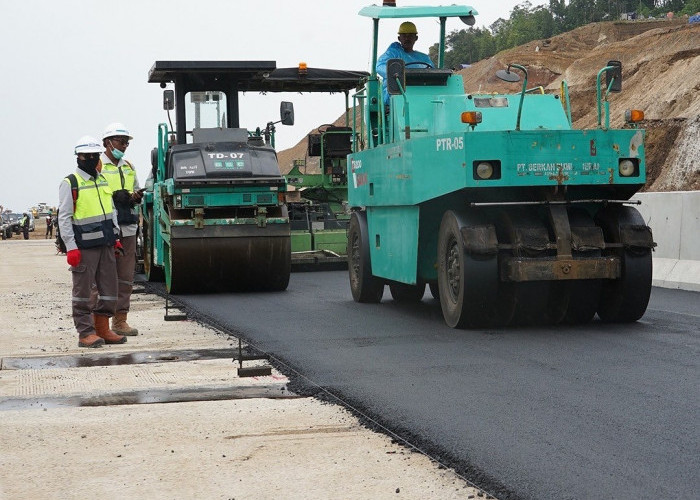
point(365, 287)
point(402, 292)
point(153, 273)
point(625, 299)
point(583, 295)
point(523, 303)
point(468, 284)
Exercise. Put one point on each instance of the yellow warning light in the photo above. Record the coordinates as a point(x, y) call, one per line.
point(302, 68)
point(634, 115)
point(471, 117)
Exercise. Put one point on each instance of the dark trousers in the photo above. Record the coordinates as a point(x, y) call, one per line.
point(126, 265)
point(97, 265)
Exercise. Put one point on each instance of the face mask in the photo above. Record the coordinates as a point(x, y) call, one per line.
point(118, 154)
point(89, 166)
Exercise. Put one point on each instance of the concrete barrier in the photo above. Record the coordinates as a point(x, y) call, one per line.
point(674, 218)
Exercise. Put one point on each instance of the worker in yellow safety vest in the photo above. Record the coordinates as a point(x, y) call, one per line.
point(123, 181)
point(88, 224)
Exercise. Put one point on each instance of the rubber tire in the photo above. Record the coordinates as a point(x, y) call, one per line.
point(365, 287)
point(405, 293)
point(468, 285)
point(584, 295)
point(625, 299)
point(522, 303)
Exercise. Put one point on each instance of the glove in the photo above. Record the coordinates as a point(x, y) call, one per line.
point(118, 249)
point(73, 257)
point(136, 197)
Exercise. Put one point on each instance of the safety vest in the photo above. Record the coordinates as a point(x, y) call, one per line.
point(92, 216)
point(118, 178)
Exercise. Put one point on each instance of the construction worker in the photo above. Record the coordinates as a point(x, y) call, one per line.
point(88, 225)
point(403, 49)
point(25, 225)
point(49, 226)
point(122, 180)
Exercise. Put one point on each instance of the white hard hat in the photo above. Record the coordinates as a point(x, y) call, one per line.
point(88, 144)
point(114, 129)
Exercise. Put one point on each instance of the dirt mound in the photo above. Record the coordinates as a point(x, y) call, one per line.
point(661, 76)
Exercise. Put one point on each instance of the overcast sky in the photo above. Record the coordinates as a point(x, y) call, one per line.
point(70, 67)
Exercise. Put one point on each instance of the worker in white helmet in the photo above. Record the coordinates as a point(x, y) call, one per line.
point(89, 228)
point(122, 179)
point(403, 49)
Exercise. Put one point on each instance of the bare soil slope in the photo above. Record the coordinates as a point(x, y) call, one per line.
point(661, 76)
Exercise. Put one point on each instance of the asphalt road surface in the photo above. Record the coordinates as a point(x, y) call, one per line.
point(593, 411)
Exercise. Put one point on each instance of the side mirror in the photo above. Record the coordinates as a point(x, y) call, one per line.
point(395, 69)
point(614, 75)
point(168, 100)
point(287, 113)
point(507, 75)
point(469, 20)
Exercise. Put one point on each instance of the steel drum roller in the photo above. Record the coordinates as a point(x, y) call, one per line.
point(229, 258)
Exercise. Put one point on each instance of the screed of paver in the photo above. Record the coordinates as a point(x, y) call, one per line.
point(239, 449)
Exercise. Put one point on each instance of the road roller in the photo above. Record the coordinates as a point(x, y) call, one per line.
point(507, 213)
point(214, 217)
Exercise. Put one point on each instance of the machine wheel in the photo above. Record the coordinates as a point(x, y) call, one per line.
point(524, 303)
point(402, 292)
point(583, 295)
point(365, 287)
point(153, 272)
point(467, 283)
point(625, 299)
point(434, 289)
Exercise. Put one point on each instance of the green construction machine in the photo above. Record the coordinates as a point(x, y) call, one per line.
point(317, 201)
point(509, 214)
point(215, 215)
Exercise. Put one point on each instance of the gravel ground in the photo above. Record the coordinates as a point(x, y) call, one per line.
point(271, 445)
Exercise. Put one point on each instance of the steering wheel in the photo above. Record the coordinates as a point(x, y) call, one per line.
point(425, 64)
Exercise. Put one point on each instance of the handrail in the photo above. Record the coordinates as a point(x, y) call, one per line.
point(598, 98)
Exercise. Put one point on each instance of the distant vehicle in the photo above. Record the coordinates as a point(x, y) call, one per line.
point(6, 227)
point(16, 221)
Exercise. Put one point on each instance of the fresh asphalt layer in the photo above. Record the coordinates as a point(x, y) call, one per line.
point(587, 411)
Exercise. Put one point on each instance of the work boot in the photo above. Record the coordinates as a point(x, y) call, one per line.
point(120, 326)
point(102, 329)
point(91, 340)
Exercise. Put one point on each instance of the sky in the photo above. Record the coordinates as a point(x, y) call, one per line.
point(71, 67)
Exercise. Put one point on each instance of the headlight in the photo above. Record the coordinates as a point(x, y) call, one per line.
point(484, 170)
point(626, 168)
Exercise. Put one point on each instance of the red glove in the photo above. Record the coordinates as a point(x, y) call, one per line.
point(73, 257)
point(118, 249)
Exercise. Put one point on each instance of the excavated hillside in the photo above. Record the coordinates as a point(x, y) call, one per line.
point(661, 76)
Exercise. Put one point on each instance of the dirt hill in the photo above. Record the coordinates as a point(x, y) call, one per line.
point(661, 76)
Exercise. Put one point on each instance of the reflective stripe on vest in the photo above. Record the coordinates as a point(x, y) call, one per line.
point(92, 218)
point(117, 180)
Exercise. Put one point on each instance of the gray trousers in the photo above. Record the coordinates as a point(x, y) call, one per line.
point(126, 265)
point(97, 265)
